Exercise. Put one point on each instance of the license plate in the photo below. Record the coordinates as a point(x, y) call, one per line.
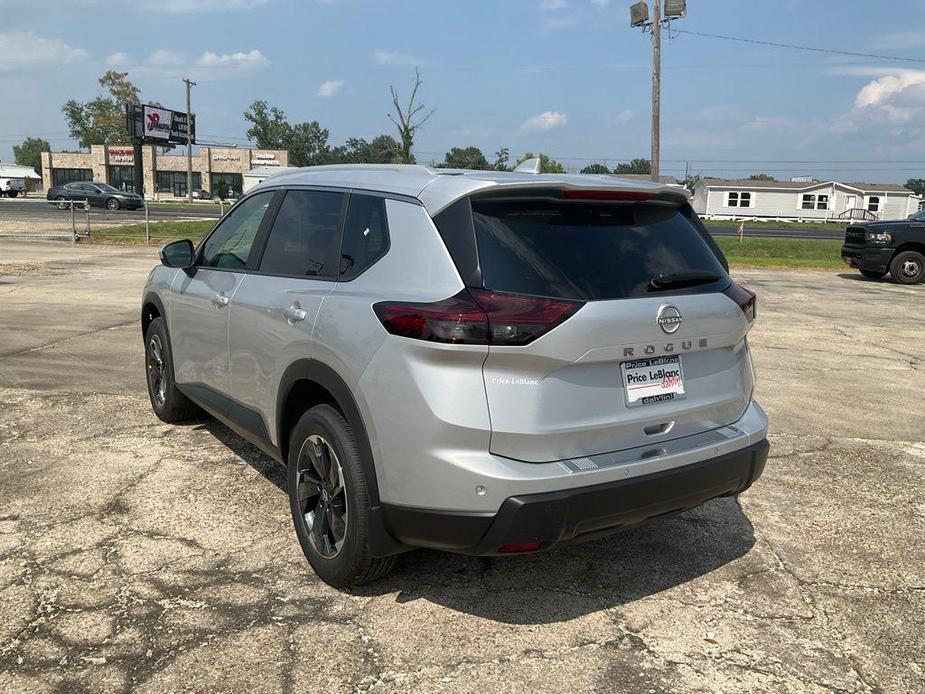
point(652, 380)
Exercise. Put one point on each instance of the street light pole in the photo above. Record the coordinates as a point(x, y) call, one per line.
point(656, 85)
point(189, 140)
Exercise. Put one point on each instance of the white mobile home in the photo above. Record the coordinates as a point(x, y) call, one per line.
point(802, 200)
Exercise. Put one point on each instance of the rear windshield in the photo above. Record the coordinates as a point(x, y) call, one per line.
point(588, 251)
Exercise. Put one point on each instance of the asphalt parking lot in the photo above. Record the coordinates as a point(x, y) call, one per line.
point(136, 555)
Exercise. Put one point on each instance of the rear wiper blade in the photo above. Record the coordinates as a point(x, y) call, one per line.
point(686, 278)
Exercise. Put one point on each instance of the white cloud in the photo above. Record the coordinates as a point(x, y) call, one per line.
point(24, 49)
point(558, 22)
point(170, 64)
point(552, 5)
point(329, 88)
point(624, 116)
point(545, 121)
point(600, 3)
point(898, 97)
point(117, 59)
point(392, 58)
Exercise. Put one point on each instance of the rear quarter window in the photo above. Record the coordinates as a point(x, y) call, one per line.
point(588, 251)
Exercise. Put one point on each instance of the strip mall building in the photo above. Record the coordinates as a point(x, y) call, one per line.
point(164, 174)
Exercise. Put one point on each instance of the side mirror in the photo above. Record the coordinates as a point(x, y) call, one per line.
point(178, 254)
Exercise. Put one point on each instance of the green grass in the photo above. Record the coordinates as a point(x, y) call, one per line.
point(161, 232)
point(800, 226)
point(788, 253)
point(750, 252)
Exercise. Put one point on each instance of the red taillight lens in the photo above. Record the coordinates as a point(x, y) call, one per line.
point(746, 300)
point(515, 547)
point(626, 195)
point(476, 317)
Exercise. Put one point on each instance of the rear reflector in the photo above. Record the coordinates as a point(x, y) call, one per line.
point(514, 547)
point(476, 317)
point(626, 195)
point(746, 300)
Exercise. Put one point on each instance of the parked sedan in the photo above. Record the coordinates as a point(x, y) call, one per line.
point(96, 195)
point(200, 194)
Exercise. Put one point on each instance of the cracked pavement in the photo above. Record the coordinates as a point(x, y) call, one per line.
point(140, 556)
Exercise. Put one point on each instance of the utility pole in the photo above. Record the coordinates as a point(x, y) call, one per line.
point(639, 17)
point(656, 83)
point(189, 140)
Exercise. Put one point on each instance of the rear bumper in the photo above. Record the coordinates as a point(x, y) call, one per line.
point(867, 258)
point(559, 517)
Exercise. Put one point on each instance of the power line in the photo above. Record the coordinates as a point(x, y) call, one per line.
point(793, 46)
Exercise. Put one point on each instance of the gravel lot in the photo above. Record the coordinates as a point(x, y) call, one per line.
point(135, 555)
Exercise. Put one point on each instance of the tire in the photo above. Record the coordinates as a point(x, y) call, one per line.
point(169, 404)
point(13, 193)
point(113, 204)
point(331, 525)
point(872, 275)
point(61, 202)
point(908, 267)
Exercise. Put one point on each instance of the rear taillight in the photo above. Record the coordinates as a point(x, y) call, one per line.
point(745, 299)
point(476, 317)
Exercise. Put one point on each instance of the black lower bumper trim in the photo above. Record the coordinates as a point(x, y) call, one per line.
point(555, 518)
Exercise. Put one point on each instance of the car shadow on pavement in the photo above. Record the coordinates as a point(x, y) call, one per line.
point(561, 584)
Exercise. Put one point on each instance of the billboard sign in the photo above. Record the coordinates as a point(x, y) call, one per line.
point(158, 125)
point(157, 122)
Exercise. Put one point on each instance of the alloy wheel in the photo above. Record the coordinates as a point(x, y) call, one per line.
point(910, 268)
point(157, 371)
point(322, 496)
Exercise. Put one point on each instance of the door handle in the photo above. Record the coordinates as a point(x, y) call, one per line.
point(219, 301)
point(294, 314)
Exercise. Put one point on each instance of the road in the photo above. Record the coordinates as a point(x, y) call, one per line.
point(39, 210)
point(764, 232)
point(138, 556)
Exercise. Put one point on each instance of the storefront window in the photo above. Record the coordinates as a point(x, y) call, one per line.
point(60, 177)
point(233, 181)
point(123, 178)
point(174, 182)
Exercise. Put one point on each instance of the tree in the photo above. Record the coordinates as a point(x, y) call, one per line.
point(761, 177)
point(502, 156)
point(916, 185)
point(306, 142)
point(409, 119)
point(547, 165)
point(29, 153)
point(384, 149)
point(465, 158)
point(102, 120)
point(636, 166)
point(269, 128)
point(595, 169)
point(221, 189)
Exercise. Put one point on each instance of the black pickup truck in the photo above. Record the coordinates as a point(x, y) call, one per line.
point(895, 247)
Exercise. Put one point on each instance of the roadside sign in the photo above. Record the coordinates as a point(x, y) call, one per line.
point(152, 124)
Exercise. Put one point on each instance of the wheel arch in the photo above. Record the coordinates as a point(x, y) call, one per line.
point(910, 246)
point(152, 307)
point(308, 382)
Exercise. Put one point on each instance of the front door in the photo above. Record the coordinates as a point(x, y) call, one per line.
point(851, 201)
point(198, 311)
point(274, 310)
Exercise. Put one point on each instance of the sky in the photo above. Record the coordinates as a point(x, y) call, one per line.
point(569, 78)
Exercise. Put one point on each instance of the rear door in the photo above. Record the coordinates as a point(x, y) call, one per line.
point(586, 387)
point(199, 301)
point(274, 309)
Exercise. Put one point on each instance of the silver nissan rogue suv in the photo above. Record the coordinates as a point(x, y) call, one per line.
point(480, 362)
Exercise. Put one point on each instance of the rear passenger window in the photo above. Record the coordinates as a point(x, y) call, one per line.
point(366, 235)
point(305, 235)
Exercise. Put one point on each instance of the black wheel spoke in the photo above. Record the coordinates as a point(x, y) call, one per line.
point(322, 496)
